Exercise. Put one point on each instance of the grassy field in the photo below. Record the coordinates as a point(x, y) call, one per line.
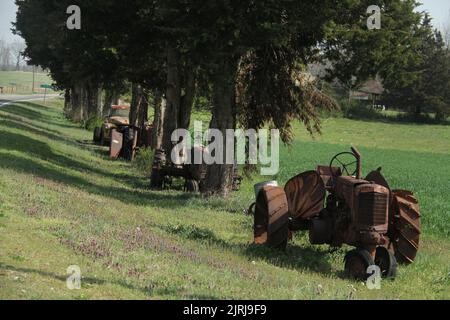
point(63, 202)
point(19, 82)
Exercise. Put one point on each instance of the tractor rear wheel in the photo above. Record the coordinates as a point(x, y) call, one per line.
point(128, 143)
point(404, 226)
point(387, 262)
point(156, 179)
point(356, 263)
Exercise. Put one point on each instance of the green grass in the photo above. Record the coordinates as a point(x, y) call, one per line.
point(21, 82)
point(63, 202)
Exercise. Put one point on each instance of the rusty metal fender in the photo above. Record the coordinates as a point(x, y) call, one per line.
point(271, 220)
point(116, 143)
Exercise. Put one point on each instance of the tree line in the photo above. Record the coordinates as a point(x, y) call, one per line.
point(11, 56)
point(248, 58)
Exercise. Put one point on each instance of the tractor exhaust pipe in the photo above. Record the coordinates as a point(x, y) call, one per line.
point(358, 162)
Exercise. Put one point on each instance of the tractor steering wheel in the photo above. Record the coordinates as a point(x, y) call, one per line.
point(348, 165)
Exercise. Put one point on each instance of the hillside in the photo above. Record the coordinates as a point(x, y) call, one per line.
point(63, 203)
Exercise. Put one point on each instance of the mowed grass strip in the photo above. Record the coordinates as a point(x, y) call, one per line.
point(63, 202)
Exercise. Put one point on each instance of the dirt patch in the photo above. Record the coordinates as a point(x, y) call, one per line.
point(140, 238)
point(32, 211)
point(91, 248)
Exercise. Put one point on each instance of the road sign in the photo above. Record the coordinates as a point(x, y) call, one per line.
point(46, 86)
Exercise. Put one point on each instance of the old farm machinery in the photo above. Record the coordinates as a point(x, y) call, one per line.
point(122, 138)
point(164, 171)
point(338, 207)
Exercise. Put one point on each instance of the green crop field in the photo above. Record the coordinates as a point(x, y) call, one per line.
point(19, 82)
point(63, 203)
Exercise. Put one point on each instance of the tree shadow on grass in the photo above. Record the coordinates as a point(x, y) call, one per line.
point(30, 111)
point(88, 280)
point(295, 257)
point(22, 111)
point(11, 122)
point(84, 280)
point(41, 150)
point(14, 121)
point(31, 122)
point(137, 197)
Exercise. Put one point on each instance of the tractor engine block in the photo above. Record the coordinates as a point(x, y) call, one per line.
point(369, 215)
point(356, 214)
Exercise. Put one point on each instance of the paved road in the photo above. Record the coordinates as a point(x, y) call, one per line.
point(6, 99)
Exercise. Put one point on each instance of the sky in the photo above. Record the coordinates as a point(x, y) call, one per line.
point(439, 10)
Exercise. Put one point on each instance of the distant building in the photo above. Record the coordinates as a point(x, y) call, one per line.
point(369, 91)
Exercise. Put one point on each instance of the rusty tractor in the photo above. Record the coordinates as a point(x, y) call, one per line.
point(122, 138)
point(164, 171)
point(338, 207)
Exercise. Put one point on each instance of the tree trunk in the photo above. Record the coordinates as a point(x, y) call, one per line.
point(84, 103)
point(219, 177)
point(67, 103)
point(77, 101)
point(440, 116)
point(99, 102)
point(143, 110)
point(139, 106)
point(187, 100)
point(158, 121)
point(136, 97)
point(173, 93)
point(417, 112)
point(111, 98)
point(93, 98)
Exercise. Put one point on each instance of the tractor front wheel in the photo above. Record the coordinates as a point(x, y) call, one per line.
point(357, 262)
point(387, 262)
point(192, 186)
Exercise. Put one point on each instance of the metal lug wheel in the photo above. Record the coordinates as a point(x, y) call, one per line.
point(128, 143)
point(356, 263)
point(156, 179)
point(405, 226)
point(387, 262)
point(192, 186)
